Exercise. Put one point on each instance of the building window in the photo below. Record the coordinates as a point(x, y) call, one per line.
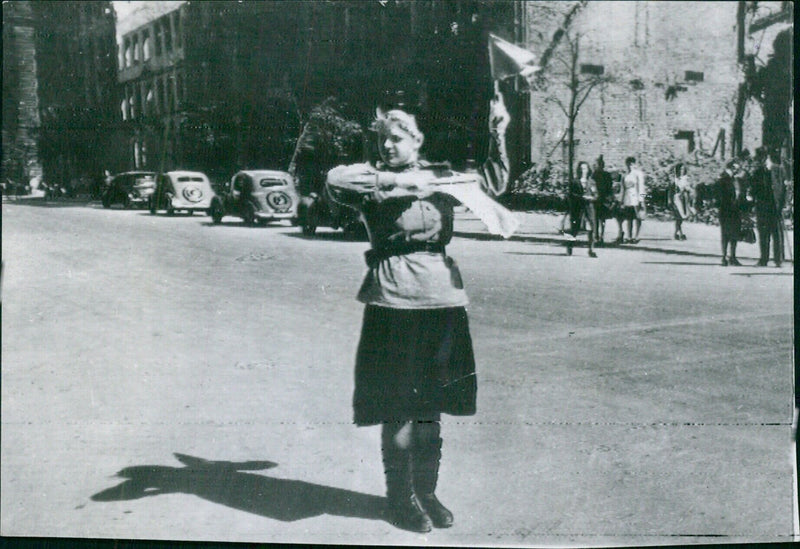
point(688, 136)
point(135, 48)
point(128, 53)
point(149, 102)
point(596, 70)
point(693, 76)
point(122, 54)
point(156, 99)
point(167, 35)
point(158, 35)
point(176, 18)
point(178, 90)
point(146, 46)
point(637, 84)
point(164, 96)
point(134, 108)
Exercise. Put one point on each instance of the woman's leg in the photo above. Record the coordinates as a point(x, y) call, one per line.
point(404, 510)
point(426, 452)
point(724, 248)
point(733, 260)
point(630, 229)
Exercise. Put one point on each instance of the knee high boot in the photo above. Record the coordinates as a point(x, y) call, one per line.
point(404, 509)
point(425, 455)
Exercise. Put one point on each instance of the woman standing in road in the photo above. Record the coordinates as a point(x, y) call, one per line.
point(414, 359)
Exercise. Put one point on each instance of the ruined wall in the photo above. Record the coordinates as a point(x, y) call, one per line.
point(20, 96)
point(673, 73)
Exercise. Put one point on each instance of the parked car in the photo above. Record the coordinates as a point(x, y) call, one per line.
point(182, 190)
point(257, 196)
point(129, 189)
point(320, 210)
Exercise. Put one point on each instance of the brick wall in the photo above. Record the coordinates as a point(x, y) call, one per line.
point(646, 49)
point(20, 99)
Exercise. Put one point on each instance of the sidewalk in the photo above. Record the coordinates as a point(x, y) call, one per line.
point(655, 236)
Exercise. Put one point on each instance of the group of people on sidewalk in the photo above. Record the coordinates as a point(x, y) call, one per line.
point(747, 183)
point(594, 197)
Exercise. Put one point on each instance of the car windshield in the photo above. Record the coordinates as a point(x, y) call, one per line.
point(272, 182)
point(185, 178)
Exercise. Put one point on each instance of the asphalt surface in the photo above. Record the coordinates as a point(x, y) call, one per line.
point(164, 378)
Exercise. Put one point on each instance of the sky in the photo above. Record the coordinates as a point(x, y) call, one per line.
point(131, 14)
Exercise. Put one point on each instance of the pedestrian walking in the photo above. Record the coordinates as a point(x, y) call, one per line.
point(769, 193)
point(415, 358)
point(581, 204)
point(731, 200)
point(606, 203)
point(633, 199)
point(680, 191)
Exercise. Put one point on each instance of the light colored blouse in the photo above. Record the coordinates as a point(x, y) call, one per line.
point(633, 188)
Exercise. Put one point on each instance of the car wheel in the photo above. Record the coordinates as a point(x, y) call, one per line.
point(355, 231)
point(216, 213)
point(309, 229)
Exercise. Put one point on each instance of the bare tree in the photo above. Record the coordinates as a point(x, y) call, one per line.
point(566, 72)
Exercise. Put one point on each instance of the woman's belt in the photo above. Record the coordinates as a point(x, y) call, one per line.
point(373, 257)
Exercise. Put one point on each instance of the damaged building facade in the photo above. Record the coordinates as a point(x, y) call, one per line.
point(59, 90)
point(220, 86)
point(664, 79)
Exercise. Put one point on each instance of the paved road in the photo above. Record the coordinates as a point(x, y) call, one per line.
point(165, 378)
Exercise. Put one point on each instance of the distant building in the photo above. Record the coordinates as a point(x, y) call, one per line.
point(220, 86)
point(77, 88)
point(20, 94)
point(59, 89)
point(673, 72)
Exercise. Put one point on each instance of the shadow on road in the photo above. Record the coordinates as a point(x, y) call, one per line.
point(228, 484)
point(762, 274)
point(38, 202)
point(555, 254)
point(582, 243)
point(692, 263)
point(333, 236)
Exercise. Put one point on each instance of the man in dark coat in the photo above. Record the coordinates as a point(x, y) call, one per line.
point(769, 194)
point(729, 197)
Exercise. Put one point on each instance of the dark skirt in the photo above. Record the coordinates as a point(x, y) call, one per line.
point(413, 364)
point(730, 223)
point(628, 213)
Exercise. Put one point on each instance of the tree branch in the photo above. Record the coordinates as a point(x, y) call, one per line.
point(559, 142)
point(564, 62)
point(558, 102)
point(585, 96)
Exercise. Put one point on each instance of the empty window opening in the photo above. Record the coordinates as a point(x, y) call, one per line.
point(596, 70)
point(688, 136)
point(693, 76)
